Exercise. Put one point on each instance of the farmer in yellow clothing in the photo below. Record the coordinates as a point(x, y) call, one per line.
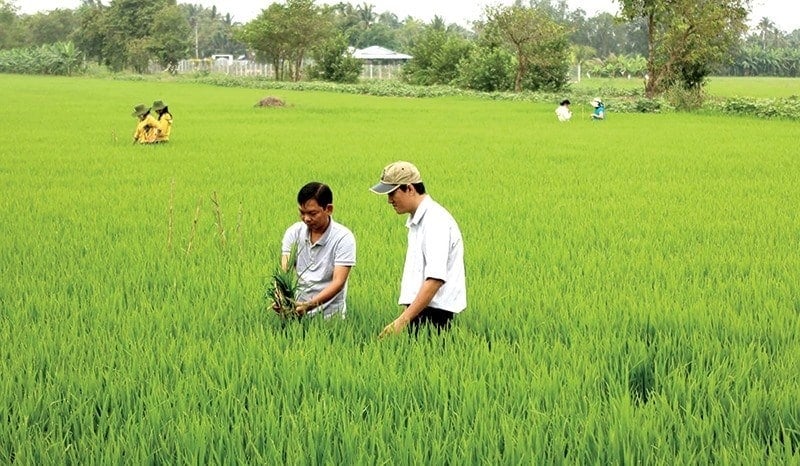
point(146, 127)
point(164, 121)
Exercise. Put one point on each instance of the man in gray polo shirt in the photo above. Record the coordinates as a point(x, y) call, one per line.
point(433, 289)
point(326, 250)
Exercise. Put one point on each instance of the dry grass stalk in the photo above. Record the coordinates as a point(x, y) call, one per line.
point(239, 228)
point(194, 226)
point(218, 213)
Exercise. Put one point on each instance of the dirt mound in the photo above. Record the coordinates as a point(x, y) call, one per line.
point(270, 101)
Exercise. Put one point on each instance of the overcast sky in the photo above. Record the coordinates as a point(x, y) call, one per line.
point(784, 13)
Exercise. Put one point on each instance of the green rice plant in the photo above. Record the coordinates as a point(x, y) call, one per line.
point(282, 291)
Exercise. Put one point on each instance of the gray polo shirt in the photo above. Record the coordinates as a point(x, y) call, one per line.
point(315, 262)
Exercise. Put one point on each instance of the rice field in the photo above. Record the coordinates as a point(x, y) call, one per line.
point(633, 290)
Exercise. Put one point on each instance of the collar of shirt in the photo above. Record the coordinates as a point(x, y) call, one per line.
point(323, 238)
point(420, 212)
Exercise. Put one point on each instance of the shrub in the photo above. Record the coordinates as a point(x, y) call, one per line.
point(333, 63)
point(486, 69)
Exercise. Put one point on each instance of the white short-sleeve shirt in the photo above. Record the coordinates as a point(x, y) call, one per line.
point(435, 250)
point(563, 113)
point(315, 262)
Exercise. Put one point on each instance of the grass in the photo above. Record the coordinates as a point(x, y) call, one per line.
point(631, 284)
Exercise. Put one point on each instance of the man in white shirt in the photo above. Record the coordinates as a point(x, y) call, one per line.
point(433, 289)
point(326, 250)
point(562, 111)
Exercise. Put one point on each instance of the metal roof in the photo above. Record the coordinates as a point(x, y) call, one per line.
point(377, 52)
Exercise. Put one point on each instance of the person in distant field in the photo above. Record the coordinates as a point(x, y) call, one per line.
point(146, 127)
point(326, 251)
point(164, 118)
point(599, 112)
point(562, 111)
point(433, 288)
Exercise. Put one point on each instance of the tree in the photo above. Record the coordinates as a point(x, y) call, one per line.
point(171, 32)
point(308, 26)
point(488, 68)
point(378, 34)
point(265, 35)
point(366, 15)
point(437, 54)
point(90, 35)
point(686, 38)
point(285, 34)
point(10, 32)
point(765, 29)
point(210, 31)
point(538, 43)
point(49, 28)
point(128, 31)
point(333, 62)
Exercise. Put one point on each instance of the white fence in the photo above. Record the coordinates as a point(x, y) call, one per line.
point(249, 68)
point(228, 67)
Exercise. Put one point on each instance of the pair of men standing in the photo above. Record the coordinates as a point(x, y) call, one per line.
point(433, 287)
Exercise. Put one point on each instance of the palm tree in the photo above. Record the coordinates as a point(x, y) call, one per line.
point(366, 15)
point(766, 29)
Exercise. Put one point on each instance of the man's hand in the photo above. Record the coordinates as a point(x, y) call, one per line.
point(303, 307)
point(394, 328)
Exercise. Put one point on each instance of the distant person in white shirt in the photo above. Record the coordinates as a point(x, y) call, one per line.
point(562, 111)
point(433, 289)
point(326, 250)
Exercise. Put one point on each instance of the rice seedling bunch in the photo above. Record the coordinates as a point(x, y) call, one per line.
point(282, 291)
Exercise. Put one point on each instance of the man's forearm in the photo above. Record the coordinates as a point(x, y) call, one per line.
point(426, 293)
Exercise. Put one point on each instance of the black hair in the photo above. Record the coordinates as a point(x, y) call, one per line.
point(565, 102)
point(418, 187)
point(320, 192)
point(163, 111)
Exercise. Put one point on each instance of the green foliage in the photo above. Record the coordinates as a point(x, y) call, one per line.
point(437, 53)
point(54, 26)
point(662, 250)
point(61, 58)
point(91, 33)
point(170, 32)
point(686, 38)
point(488, 69)
point(138, 52)
point(538, 43)
point(333, 62)
point(283, 35)
point(642, 105)
point(10, 32)
point(755, 60)
point(550, 71)
point(783, 108)
point(211, 32)
point(683, 98)
point(128, 34)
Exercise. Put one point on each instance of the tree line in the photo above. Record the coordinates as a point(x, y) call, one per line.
point(529, 45)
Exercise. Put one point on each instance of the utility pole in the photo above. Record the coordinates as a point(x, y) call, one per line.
point(196, 52)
